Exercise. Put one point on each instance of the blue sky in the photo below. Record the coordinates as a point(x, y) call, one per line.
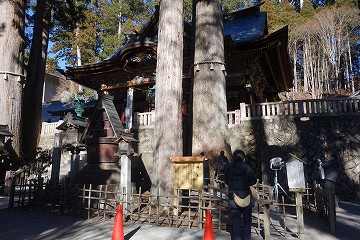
point(61, 62)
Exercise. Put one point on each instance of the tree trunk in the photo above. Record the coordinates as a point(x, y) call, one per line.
point(350, 71)
point(168, 94)
point(78, 50)
point(78, 55)
point(305, 63)
point(32, 106)
point(12, 15)
point(294, 68)
point(210, 127)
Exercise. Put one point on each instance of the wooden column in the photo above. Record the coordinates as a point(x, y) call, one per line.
point(125, 183)
point(265, 204)
point(56, 158)
point(299, 214)
point(330, 195)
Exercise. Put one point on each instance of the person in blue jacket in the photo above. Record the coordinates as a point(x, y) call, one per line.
point(239, 177)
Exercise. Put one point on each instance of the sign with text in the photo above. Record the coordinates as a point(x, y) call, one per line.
point(295, 174)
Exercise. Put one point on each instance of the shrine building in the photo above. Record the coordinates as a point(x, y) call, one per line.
point(256, 63)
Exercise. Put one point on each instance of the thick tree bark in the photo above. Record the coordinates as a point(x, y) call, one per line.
point(210, 128)
point(32, 106)
point(12, 15)
point(168, 94)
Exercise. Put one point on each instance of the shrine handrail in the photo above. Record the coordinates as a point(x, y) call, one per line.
point(298, 108)
point(50, 128)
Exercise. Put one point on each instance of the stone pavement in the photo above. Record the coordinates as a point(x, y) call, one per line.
point(33, 224)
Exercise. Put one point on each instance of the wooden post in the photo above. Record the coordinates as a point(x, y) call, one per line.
point(126, 182)
point(12, 192)
point(331, 209)
point(238, 115)
point(89, 202)
point(265, 204)
point(74, 168)
point(242, 111)
point(299, 214)
point(56, 159)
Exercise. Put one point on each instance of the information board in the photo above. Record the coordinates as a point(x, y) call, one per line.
point(295, 174)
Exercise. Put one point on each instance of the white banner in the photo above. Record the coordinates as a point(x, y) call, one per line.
point(129, 108)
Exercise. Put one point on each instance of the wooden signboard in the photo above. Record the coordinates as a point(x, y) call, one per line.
point(295, 175)
point(188, 172)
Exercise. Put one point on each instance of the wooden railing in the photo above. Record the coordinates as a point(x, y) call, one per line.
point(312, 107)
point(50, 128)
point(144, 119)
point(300, 108)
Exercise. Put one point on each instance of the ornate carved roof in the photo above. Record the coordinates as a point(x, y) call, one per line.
point(105, 105)
point(246, 41)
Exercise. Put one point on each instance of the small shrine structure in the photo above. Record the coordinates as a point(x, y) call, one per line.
point(102, 136)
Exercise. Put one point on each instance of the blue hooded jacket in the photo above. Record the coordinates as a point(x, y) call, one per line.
point(239, 177)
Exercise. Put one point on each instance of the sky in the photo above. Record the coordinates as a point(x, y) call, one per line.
point(61, 62)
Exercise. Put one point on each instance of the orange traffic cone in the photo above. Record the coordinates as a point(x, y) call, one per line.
point(209, 231)
point(118, 231)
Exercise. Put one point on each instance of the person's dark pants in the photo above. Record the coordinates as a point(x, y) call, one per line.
point(330, 186)
point(240, 217)
point(221, 177)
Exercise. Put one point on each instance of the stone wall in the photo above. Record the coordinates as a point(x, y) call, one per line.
point(145, 136)
point(307, 138)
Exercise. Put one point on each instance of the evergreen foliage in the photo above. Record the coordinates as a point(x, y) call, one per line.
point(103, 26)
point(97, 28)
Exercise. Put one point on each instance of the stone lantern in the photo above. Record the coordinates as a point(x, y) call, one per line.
point(5, 164)
point(72, 128)
point(4, 132)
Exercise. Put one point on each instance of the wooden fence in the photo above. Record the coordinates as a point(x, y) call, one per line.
point(325, 205)
point(100, 202)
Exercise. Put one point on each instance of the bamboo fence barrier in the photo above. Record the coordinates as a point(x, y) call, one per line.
point(100, 202)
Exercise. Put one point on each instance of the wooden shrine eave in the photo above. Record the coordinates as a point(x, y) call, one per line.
point(123, 64)
point(271, 50)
